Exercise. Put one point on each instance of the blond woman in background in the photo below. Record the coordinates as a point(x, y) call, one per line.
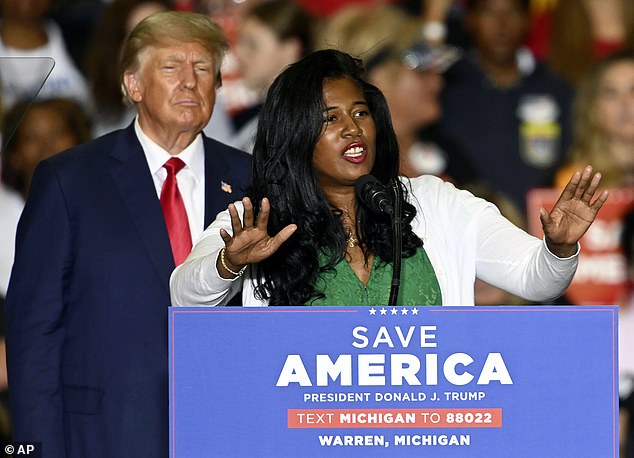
point(604, 122)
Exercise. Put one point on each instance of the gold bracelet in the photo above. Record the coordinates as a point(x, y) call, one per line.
point(224, 264)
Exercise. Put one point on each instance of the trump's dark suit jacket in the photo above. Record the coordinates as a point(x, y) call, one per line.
point(88, 297)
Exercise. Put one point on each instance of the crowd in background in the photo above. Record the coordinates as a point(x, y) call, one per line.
point(498, 96)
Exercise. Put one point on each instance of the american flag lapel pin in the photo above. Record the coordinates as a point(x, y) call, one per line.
point(226, 187)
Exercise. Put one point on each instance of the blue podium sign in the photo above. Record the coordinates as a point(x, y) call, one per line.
point(393, 381)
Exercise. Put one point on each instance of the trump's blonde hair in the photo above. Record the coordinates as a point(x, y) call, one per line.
point(169, 28)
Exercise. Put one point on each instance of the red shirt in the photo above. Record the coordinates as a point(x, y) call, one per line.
point(325, 8)
point(539, 36)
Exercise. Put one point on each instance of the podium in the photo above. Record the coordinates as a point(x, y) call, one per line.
point(538, 381)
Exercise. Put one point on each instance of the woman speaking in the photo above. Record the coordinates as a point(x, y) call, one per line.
point(303, 237)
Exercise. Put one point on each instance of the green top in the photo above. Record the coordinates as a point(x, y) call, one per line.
point(342, 287)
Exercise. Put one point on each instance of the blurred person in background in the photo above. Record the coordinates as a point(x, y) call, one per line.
point(440, 20)
point(31, 131)
point(37, 130)
point(11, 204)
point(574, 34)
point(32, 45)
point(508, 112)
point(604, 122)
point(408, 72)
point(271, 36)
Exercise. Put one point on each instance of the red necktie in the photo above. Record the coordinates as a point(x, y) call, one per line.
point(175, 213)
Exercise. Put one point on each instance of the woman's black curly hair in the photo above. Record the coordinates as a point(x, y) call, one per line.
point(290, 124)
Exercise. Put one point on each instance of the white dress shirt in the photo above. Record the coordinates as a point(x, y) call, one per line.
point(191, 178)
point(11, 205)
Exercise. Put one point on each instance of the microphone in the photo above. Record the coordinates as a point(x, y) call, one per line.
point(374, 195)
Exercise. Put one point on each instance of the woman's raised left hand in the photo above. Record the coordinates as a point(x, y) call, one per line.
point(573, 213)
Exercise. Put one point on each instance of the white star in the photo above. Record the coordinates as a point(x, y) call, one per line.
point(394, 311)
point(383, 311)
point(404, 311)
point(414, 311)
point(372, 311)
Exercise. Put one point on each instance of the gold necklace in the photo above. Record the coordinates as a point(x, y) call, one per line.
point(352, 240)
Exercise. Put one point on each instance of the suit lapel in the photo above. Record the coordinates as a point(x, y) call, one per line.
point(215, 169)
point(132, 177)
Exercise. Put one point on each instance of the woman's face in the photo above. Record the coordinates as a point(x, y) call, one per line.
point(615, 102)
point(345, 150)
point(42, 133)
point(414, 98)
point(261, 55)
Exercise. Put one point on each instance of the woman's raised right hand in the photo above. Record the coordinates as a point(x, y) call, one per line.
point(251, 242)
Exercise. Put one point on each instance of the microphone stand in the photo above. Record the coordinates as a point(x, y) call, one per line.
point(397, 243)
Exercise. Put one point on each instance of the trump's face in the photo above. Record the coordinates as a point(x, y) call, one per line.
point(174, 89)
